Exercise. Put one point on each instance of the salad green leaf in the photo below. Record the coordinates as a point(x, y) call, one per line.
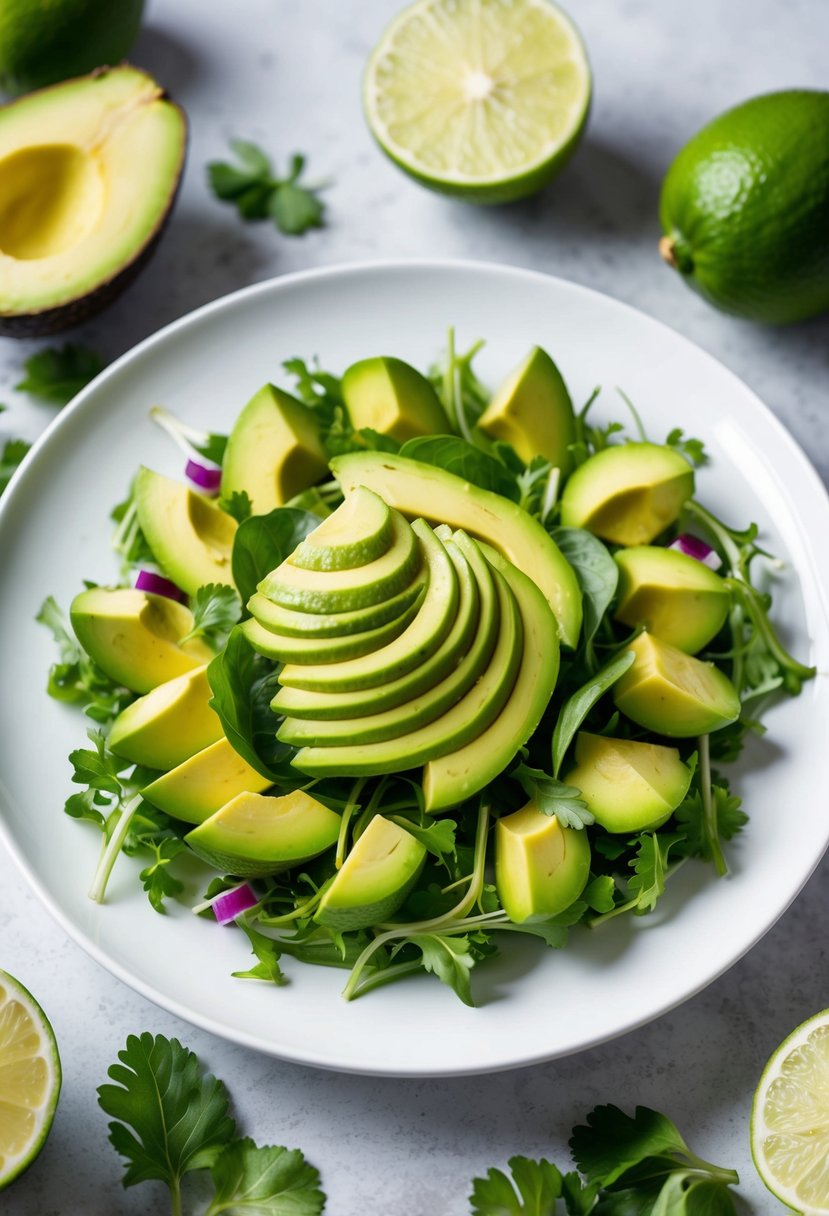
point(553, 797)
point(268, 1181)
point(13, 452)
point(532, 1190)
point(58, 373)
point(598, 576)
point(259, 193)
point(462, 458)
point(75, 678)
point(216, 608)
point(262, 542)
point(574, 711)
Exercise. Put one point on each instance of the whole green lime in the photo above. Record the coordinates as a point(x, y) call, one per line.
point(745, 208)
point(44, 41)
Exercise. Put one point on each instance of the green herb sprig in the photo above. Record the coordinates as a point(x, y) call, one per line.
point(259, 193)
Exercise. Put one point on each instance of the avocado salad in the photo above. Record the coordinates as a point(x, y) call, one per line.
point(405, 666)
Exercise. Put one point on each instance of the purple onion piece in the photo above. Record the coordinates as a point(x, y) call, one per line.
point(207, 477)
point(692, 546)
point(157, 584)
point(232, 903)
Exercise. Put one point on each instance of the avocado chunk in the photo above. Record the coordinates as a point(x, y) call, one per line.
point(324, 650)
point(289, 622)
point(628, 786)
point(674, 596)
point(376, 876)
point(452, 776)
point(541, 867)
point(90, 171)
point(359, 531)
point(533, 412)
point(203, 784)
point(273, 452)
point(254, 835)
point(191, 539)
point(135, 637)
point(168, 725)
point(671, 693)
point(391, 397)
point(628, 493)
point(418, 489)
point(360, 586)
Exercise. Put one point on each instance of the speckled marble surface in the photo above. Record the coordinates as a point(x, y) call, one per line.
point(286, 73)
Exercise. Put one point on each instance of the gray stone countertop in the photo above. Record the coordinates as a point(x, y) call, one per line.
point(286, 73)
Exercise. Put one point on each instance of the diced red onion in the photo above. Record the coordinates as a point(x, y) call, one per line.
point(230, 904)
point(692, 546)
point(207, 477)
point(157, 584)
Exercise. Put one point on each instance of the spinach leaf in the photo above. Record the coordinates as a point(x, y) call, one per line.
point(575, 710)
point(262, 542)
point(597, 575)
point(456, 456)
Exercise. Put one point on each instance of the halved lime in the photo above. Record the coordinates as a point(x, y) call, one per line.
point(484, 99)
point(790, 1119)
point(29, 1078)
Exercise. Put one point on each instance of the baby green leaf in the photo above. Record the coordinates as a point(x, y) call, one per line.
point(58, 373)
point(157, 879)
point(237, 505)
point(597, 575)
point(75, 678)
point(532, 1190)
point(457, 456)
point(268, 1181)
point(576, 709)
point(264, 541)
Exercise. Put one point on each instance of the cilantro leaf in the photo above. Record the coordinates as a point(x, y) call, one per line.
point(171, 1117)
point(692, 449)
point(554, 797)
point(216, 608)
point(268, 1181)
point(258, 193)
point(650, 865)
point(450, 959)
point(268, 953)
point(58, 373)
point(13, 452)
point(238, 505)
point(611, 1142)
point(157, 879)
point(532, 1190)
point(690, 819)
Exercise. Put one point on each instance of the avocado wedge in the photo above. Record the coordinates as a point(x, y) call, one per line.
point(167, 726)
point(393, 398)
point(376, 876)
point(289, 622)
point(89, 171)
point(324, 650)
point(532, 411)
point(541, 867)
point(200, 786)
point(191, 539)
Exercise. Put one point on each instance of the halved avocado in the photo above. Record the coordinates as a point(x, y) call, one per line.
point(291, 623)
point(89, 171)
point(671, 693)
point(191, 539)
point(135, 637)
point(419, 489)
point(314, 651)
point(392, 397)
point(674, 596)
point(541, 867)
point(273, 452)
point(628, 786)
point(257, 834)
point(532, 411)
point(168, 725)
point(376, 876)
point(202, 785)
point(359, 531)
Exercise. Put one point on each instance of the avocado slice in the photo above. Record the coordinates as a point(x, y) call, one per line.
point(674, 596)
point(168, 725)
point(91, 168)
point(273, 452)
point(325, 650)
point(376, 876)
point(203, 784)
point(359, 531)
point(541, 867)
point(391, 397)
point(254, 835)
point(135, 637)
point(345, 590)
point(288, 622)
point(435, 615)
point(628, 493)
point(533, 412)
point(628, 786)
point(450, 777)
point(191, 539)
point(419, 489)
point(671, 693)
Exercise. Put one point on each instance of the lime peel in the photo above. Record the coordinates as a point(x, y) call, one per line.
point(30, 1078)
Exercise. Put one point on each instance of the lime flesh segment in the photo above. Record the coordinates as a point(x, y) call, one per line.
point(790, 1119)
point(29, 1078)
point(482, 100)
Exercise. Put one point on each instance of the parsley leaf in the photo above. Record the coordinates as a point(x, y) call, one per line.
point(58, 373)
point(258, 193)
point(269, 1181)
point(13, 452)
point(553, 797)
point(216, 608)
point(531, 1191)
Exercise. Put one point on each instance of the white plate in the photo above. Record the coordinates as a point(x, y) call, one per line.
point(534, 1003)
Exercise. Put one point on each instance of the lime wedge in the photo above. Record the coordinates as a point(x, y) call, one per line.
point(484, 99)
point(790, 1119)
point(29, 1078)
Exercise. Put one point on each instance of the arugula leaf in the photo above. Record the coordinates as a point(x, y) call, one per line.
point(259, 193)
point(263, 542)
point(267, 952)
point(532, 1191)
point(58, 373)
point(171, 1117)
point(216, 608)
point(457, 456)
point(268, 1181)
point(75, 678)
point(578, 706)
point(597, 574)
point(13, 452)
point(553, 797)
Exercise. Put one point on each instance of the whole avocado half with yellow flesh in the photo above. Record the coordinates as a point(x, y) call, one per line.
point(89, 172)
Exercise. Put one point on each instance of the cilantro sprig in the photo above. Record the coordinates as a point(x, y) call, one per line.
point(58, 373)
point(216, 608)
point(259, 193)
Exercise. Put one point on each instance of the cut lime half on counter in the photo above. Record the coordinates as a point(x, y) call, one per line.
point(483, 99)
point(790, 1120)
point(29, 1078)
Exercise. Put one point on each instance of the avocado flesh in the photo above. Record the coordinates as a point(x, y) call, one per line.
point(254, 835)
point(359, 531)
point(421, 638)
point(466, 719)
point(411, 486)
point(273, 452)
point(346, 590)
point(168, 725)
point(454, 776)
point(375, 878)
point(325, 650)
point(541, 867)
point(454, 667)
point(289, 622)
point(671, 693)
point(200, 786)
point(89, 171)
point(627, 493)
point(533, 412)
point(134, 636)
point(628, 786)
point(427, 681)
point(191, 539)
point(674, 596)
point(393, 398)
